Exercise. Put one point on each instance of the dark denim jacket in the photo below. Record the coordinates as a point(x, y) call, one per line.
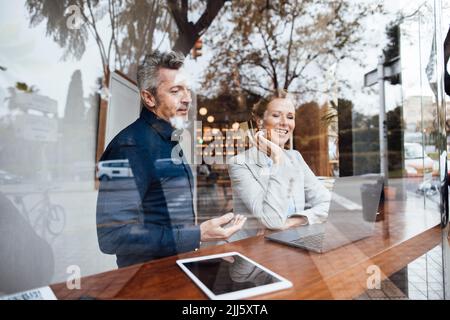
point(150, 215)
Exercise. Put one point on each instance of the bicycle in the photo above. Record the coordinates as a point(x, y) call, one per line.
point(50, 218)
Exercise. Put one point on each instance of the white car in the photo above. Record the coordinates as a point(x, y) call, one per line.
point(113, 169)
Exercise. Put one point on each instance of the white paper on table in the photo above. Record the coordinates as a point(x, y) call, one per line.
point(44, 293)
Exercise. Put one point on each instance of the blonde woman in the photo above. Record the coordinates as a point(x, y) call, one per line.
point(272, 186)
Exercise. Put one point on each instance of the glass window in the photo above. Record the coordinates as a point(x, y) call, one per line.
point(292, 114)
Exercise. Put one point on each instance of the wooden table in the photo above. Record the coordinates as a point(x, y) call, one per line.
point(405, 233)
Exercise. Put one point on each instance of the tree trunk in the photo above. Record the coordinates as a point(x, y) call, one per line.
point(186, 39)
point(188, 31)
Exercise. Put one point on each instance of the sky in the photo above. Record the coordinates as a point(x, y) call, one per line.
point(32, 58)
point(35, 59)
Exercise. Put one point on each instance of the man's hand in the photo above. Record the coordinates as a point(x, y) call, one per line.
point(212, 230)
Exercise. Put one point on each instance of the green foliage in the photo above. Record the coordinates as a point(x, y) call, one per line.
point(392, 49)
point(22, 86)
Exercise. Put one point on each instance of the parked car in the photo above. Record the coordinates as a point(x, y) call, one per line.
point(417, 163)
point(113, 169)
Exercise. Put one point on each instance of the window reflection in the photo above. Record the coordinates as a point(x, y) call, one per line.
point(53, 111)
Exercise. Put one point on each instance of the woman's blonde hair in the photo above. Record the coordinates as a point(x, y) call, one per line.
point(261, 106)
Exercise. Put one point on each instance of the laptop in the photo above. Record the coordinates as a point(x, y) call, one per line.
point(351, 217)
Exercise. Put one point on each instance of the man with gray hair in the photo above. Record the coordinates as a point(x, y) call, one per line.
point(152, 215)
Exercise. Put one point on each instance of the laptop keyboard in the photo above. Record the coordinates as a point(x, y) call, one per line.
point(313, 241)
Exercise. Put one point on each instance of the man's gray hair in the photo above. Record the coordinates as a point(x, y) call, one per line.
point(148, 70)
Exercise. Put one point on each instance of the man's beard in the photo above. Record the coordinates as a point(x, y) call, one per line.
point(179, 122)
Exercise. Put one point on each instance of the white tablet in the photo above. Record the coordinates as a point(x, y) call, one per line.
point(231, 275)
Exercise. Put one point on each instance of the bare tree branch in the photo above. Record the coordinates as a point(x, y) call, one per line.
point(98, 40)
point(177, 14)
point(271, 61)
point(288, 58)
point(111, 19)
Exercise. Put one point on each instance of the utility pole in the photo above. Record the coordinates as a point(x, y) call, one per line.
point(391, 71)
point(382, 121)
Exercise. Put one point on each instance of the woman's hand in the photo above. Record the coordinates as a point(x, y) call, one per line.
point(295, 222)
point(267, 147)
point(290, 223)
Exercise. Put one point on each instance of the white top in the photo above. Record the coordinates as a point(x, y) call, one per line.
point(263, 192)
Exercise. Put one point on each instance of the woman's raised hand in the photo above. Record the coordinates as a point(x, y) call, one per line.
point(267, 147)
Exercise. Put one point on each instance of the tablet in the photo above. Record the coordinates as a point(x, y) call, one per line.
point(231, 276)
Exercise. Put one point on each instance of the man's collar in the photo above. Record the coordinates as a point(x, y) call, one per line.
point(163, 127)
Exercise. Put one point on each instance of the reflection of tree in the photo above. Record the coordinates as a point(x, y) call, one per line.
point(358, 141)
point(189, 31)
point(137, 24)
point(363, 143)
point(392, 49)
point(276, 44)
point(132, 26)
point(74, 111)
point(131, 32)
point(77, 125)
point(366, 146)
point(395, 126)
